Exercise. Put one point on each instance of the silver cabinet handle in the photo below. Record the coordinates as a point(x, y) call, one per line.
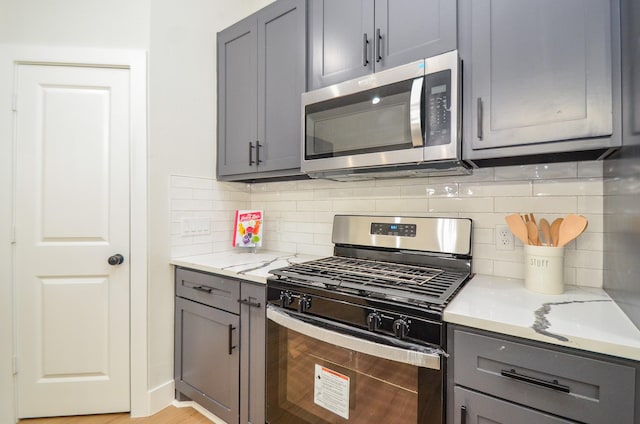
point(480, 117)
point(378, 42)
point(365, 44)
point(415, 117)
point(251, 147)
point(463, 415)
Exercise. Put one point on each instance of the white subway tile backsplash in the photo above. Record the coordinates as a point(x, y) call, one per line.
point(496, 189)
point(299, 214)
point(461, 205)
point(559, 204)
point(537, 172)
point(584, 187)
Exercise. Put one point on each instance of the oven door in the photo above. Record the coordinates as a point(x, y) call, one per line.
point(318, 374)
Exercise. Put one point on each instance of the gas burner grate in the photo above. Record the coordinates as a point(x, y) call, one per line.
point(391, 280)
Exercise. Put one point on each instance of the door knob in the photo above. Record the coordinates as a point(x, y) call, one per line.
point(116, 259)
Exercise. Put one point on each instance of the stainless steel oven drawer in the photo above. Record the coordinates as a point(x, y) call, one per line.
point(563, 384)
point(209, 289)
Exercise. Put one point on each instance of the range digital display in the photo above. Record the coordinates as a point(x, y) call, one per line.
point(385, 229)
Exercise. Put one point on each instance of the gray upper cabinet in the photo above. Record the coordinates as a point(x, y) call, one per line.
point(354, 38)
point(538, 72)
point(261, 75)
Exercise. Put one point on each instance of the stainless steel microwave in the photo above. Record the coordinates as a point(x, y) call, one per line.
point(398, 122)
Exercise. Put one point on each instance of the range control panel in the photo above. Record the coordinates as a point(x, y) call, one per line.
point(385, 229)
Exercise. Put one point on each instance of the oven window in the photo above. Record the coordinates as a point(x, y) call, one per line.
point(310, 381)
point(375, 120)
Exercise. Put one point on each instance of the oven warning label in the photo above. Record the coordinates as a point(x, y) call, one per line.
point(331, 391)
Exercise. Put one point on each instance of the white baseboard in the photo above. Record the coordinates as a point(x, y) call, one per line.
point(161, 396)
point(191, 404)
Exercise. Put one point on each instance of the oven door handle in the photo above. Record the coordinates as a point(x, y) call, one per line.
point(430, 359)
point(415, 112)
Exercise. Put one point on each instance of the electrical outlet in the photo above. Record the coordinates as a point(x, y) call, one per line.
point(504, 238)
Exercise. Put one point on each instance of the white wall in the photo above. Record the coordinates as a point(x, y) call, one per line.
point(182, 126)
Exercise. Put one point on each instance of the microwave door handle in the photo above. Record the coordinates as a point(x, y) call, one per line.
point(415, 108)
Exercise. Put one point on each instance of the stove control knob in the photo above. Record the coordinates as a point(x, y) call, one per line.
point(374, 321)
point(400, 328)
point(285, 299)
point(304, 303)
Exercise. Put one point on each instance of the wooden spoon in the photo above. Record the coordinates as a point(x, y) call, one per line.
point(572, 226)
point(518, 227)
point(532, 230)
point(545, 228)
point(555, 231)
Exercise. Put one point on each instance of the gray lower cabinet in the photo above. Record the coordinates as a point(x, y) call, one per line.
point(220, 345)
point(541, 79)
point(348, 39)
point(261, 75)
point(501, 379)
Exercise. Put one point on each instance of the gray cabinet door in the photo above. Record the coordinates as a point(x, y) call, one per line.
point(207, 357)
point(348, 39)
point(412, 30)
point(237, 90)
point(281, 82)
point(539, 71)
point(476, 408)
point(340, 41)
point(253, 355)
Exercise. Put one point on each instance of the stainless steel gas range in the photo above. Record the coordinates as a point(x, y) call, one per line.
point(358, 337)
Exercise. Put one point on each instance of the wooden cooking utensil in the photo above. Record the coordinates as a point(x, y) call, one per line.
point(555, 231)
point(572, 226)
point(533, 219)
point(518, 227)
point(532, 230)
point(545, 229)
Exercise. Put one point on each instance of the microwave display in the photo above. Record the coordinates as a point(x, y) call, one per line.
point(438, 121)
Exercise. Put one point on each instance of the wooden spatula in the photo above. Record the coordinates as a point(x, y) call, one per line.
point(572, 226)
point(518, 227)
point(555, 231)
point(532, 231)
point(545, 229)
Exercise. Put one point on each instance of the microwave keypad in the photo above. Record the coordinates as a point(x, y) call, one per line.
point(438, 92)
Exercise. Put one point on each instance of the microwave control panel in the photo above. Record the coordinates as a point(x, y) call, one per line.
point(438, 108)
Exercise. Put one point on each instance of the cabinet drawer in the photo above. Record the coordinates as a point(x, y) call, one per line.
point(210, 289)
point(474, 407)
point(568, 385)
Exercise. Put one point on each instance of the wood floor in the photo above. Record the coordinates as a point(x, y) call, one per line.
point(169, 415)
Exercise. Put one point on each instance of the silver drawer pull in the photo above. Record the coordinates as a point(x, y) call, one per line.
point(203, 289)
point(554, 385)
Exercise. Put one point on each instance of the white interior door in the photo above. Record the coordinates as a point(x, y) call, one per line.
point(72, 214)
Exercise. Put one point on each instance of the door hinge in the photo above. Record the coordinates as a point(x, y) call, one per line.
point(15, 365)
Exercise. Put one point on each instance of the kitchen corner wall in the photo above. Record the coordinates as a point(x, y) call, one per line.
point(196, 200)
point(299, 214)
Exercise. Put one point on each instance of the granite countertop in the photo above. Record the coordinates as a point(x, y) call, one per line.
point(242, 263)
point(582, 318)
